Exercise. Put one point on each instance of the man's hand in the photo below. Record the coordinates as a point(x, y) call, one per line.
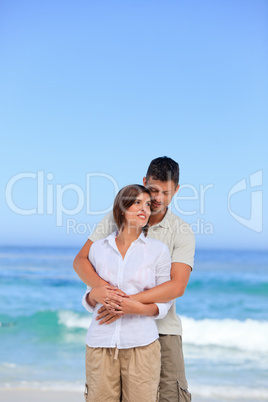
point(105, 317)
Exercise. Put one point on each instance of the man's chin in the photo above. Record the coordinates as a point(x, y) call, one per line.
point(157, 209)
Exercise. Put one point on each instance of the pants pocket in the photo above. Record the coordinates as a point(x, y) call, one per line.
point(184, 394)
point(86, 392)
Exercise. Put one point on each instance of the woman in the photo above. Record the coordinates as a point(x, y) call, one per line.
point(125, 355)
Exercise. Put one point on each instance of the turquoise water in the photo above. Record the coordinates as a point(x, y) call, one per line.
point(224, 314)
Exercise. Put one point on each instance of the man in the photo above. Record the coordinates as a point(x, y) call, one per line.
point(162, 180)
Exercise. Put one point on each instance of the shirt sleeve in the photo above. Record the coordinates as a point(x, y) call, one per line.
point(163, 275)
point(184, 246)
point(89, 308)
point(104, 228)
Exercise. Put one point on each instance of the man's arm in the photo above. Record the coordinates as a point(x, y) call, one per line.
point(84, 268)
point(182, 262)
point(180, 274)
point(81, 264)
point(86, 272)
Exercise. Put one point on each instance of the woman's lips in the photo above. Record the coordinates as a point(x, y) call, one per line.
point(142, 216)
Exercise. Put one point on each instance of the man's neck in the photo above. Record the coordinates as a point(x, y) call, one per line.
point(157, 217)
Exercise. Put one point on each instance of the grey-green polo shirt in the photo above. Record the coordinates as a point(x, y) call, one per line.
point(177, 235)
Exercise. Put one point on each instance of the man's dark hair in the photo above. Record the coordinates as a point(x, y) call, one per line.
point(164, 169)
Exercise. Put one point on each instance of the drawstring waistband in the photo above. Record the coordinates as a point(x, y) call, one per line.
point(116, 351)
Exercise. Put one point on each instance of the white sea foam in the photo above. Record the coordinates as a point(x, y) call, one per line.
point(45, 385)
point(73, 320)
point(249, 335)
point(228, 393)
point(8, 365)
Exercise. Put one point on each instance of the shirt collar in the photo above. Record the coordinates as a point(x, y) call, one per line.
point(111, 239)
point(165, 221)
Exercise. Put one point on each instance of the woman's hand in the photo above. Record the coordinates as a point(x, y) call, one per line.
point(103, 294)
point(129, 306)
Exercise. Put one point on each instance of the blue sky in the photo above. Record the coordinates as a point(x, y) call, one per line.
point(91, 91)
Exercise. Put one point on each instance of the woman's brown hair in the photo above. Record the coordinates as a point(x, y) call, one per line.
point(124, 199)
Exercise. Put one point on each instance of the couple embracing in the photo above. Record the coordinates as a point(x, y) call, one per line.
point(136, 263)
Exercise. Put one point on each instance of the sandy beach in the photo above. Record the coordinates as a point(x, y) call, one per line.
point(27, 395)
point(31, 395)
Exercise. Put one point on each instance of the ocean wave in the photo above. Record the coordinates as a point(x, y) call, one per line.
point(228, 393)
point(35, 256)
point(249, 335)
point(73, 320)
point(44, 386)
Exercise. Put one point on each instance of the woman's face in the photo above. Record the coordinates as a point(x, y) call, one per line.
point(138, 214)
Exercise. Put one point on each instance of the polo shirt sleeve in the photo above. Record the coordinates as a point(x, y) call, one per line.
point(163, 275)
point(104, 228)
point(184, 246)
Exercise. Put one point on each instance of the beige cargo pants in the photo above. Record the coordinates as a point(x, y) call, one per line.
point(173, 384)
point(133, 372)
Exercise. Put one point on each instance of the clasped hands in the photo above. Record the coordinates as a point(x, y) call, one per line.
point(116, 303)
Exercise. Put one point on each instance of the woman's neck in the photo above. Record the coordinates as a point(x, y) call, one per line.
point(128, 235)
point(125, 238)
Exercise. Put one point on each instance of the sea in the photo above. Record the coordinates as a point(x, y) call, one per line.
point(224, 314)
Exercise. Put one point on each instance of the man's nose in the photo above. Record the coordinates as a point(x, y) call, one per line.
point(158, 197)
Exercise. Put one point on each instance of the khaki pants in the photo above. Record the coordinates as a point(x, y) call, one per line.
point(173, 384)
point(136, 370)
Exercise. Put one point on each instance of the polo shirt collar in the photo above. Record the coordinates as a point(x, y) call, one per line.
point(165, 221)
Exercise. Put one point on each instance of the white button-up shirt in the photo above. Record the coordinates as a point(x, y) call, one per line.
point(178, 236)
point(146, 264)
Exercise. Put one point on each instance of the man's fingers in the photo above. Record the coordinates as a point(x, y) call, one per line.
point(102, 309)
point(108, 319)
point(102, 314)
point(111, 318)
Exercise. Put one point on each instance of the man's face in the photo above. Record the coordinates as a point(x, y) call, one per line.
point(161, 193)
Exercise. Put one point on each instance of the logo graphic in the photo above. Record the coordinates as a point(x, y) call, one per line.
point(255, 221)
